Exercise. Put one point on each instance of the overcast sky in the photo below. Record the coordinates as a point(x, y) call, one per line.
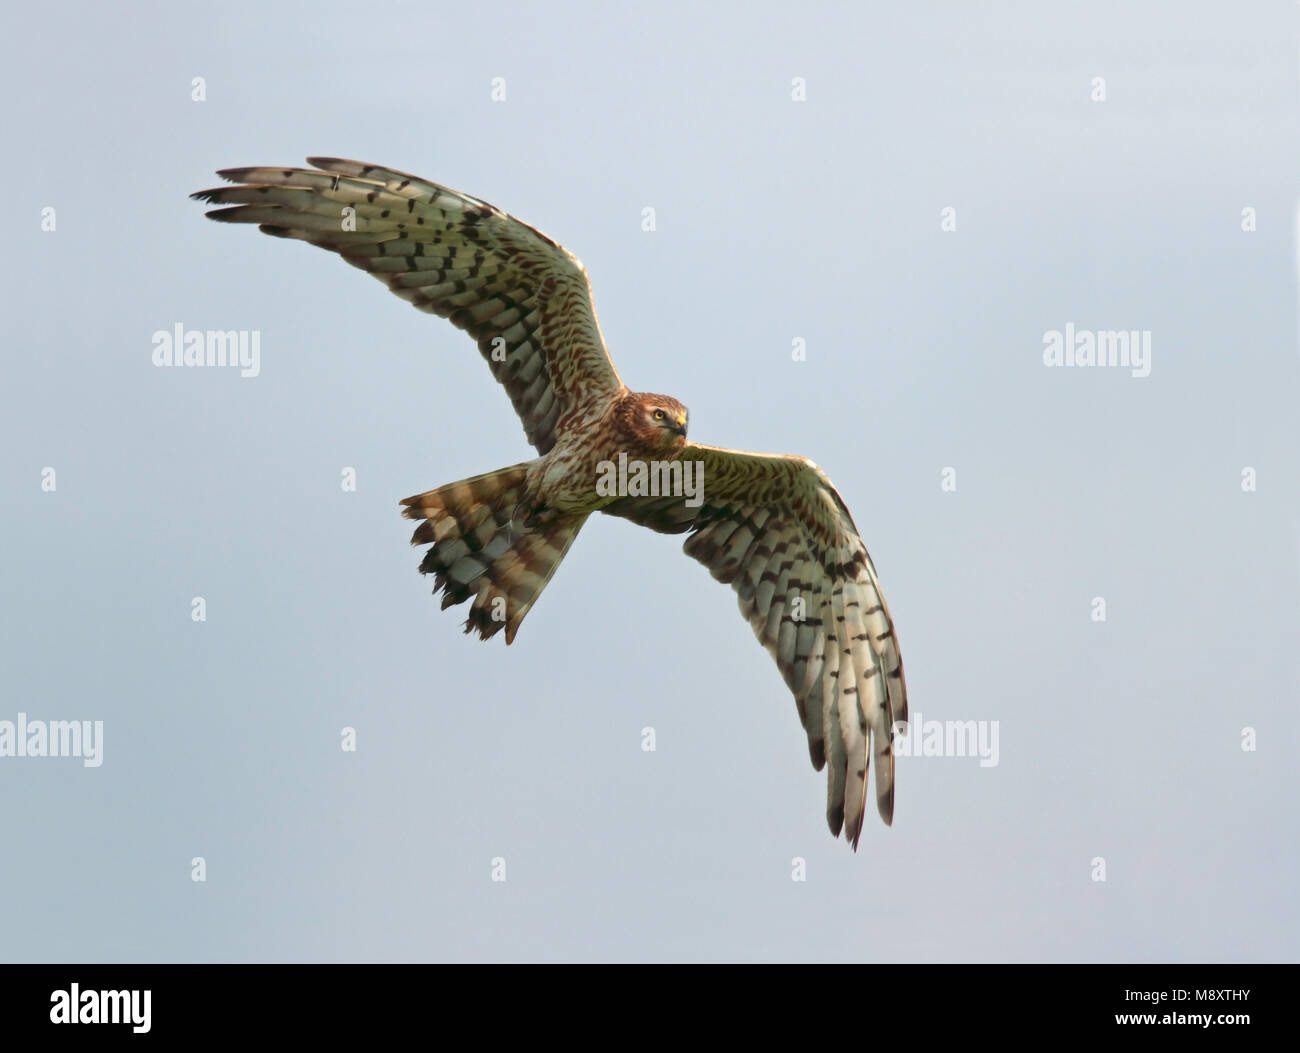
point(1115, 167)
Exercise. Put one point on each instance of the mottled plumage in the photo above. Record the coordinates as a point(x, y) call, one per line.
point(773, 527)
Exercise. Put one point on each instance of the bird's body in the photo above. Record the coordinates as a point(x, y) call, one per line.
point(771, 526)
point(564, 478)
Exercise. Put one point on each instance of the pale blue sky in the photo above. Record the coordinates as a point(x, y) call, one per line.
point(775, 220)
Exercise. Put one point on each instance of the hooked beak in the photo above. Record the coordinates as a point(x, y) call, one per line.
point(680, 428)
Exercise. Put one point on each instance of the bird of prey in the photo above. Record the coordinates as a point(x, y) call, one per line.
point(773, 527)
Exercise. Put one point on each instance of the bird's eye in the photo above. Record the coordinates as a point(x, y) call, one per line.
point(660, 415)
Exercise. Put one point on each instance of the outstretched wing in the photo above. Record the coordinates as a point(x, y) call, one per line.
point(525, 299)
point(775, 529)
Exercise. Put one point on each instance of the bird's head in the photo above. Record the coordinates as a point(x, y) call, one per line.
point(653, 423)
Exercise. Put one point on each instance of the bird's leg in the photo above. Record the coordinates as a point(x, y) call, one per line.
point(534, 514)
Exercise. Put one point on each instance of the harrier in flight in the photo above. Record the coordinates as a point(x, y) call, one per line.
point(770, 526)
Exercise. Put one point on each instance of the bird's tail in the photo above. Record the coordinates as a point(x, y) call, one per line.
point(482, 547)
